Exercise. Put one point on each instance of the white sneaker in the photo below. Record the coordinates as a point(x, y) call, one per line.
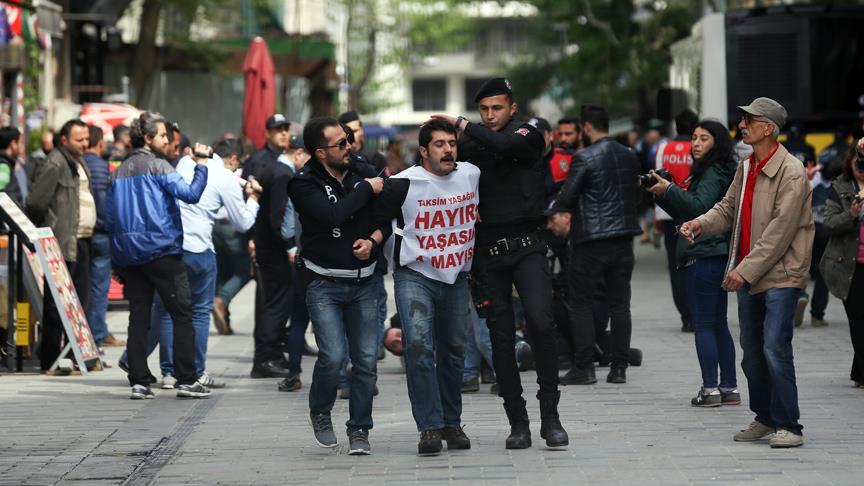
point(209, 382)
point(168, 382)
point(783, 439)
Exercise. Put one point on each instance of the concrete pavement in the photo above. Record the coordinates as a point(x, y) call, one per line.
point(85, 430)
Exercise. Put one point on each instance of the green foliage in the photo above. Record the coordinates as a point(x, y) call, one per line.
point(620, 62)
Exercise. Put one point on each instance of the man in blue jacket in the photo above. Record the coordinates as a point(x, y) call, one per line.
point(143, 222)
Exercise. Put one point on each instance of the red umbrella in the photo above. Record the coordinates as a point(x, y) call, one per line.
point(260, 98)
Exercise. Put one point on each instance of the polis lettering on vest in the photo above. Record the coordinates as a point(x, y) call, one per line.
point(677, 160)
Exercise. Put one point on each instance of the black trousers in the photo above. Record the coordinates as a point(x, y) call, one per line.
point(167, 276)
point(676, 275)
point(527, 269)
point(81, 272)
point(606, 262)
point(854, 306)
point(275, 298)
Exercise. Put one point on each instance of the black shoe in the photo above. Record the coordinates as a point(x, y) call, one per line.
point(564, 363)
point(141, 392)
point(290, 384)
point(707, 399)
point(520, 431)
point(618, 374)
point(322, 427)
point(269, 369)
point(430, 442)
point(634, 357)
point(471, 385)
point(731, 397)
point(456, 438)
point(550, 425)
point(358, 443)
point(579, 376)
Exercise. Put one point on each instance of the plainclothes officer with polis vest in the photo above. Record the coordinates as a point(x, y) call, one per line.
point(674, 156)
point(510, 250)
point(333, 198)
point(432, 208)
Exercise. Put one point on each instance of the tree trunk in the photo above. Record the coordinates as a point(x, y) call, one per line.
point(359, 81)
point(144, 57)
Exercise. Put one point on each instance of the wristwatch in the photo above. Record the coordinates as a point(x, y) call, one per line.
point(459, 121)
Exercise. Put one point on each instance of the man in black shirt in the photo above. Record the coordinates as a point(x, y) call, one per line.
point(511, 251)
point(332, 197)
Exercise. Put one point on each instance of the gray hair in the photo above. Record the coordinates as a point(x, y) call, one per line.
point(145, 125)
point(775, 130)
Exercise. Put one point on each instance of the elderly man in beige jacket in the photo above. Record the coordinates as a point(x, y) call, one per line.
point(767, 209)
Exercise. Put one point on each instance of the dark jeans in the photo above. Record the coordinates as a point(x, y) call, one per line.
point(820, 288)
point(100, 281)
point(167, 276)
point(767, 323)
point(708, 303)
point(529, 271)
point(676, 275)
point(854, 306)
point(81, 272)
point(275, 276)
point(609, 262)
point(434, 317)
point(337, 310)
point(232, 260)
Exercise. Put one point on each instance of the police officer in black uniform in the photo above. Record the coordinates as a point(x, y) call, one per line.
point(510, 250)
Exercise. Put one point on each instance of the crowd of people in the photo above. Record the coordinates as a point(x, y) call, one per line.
point(317, 220)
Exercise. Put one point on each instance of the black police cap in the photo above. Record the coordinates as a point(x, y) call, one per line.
point(493, 87)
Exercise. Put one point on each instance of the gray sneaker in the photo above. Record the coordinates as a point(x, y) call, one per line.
point(753, 432)
point(783, 439)
point(322, 426)
point(359, 443)
point(195, 390)
point(141, 392)
point(210, 382)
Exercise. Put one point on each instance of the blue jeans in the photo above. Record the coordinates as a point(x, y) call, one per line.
point(201, 271)
point(766, 340)
point(434, 320)
point(707, 302)
point(100, 280)
point(478, 346)
point(381, 298)
point(337, 310)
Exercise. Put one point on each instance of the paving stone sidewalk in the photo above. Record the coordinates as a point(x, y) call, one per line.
point(85, 430)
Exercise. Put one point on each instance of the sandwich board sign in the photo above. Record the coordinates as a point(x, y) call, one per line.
point(59, 283)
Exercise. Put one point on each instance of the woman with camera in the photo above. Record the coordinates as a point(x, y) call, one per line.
point(842, 264)
point(705, 262)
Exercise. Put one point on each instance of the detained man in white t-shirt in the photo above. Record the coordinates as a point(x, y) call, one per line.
point(430, 209)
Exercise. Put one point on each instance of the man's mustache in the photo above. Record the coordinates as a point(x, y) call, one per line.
point(447, 158)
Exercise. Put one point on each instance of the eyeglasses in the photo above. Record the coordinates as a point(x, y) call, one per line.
point(342, 144)
point(748, 118)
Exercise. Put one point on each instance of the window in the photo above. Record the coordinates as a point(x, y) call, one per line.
point(429, 94)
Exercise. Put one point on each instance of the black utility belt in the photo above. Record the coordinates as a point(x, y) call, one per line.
point(506, 246)
point(352, 280)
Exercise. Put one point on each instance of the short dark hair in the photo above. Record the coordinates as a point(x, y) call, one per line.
point(227, 148)
point(95, 136)
point(67, 127)
point(349, 133)
point(597, 116)
point(430, 127)
point(313, 132)
point(171, 128)
point(7, 136)
point(569, 120)
point(145, 125)
point(686, 121)
point(119, 131)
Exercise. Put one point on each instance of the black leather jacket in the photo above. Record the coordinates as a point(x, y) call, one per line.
point(601, 191)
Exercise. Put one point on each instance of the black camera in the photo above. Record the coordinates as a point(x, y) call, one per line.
point(648, 180)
